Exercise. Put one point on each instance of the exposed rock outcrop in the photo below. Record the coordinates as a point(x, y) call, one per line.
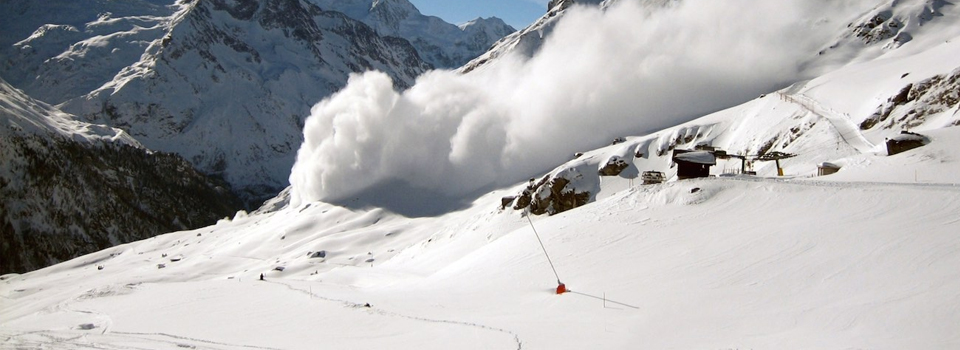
point(554, 194)
point(614, 167)
point(917, 102)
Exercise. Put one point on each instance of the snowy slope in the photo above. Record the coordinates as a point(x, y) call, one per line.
point(439, 43)
point(818, 120)
point(739, 263)
point(70, 188)
point(22, 114)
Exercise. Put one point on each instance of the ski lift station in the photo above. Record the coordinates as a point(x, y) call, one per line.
point(693, 164)
point(696, 163)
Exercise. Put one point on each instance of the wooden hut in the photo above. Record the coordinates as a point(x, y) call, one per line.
point(904, 142)
point(693, 164)
point(827, 168)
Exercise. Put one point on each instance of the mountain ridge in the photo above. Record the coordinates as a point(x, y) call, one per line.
point(441, 44)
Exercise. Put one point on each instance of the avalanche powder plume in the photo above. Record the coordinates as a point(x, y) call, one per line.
point(602, 74)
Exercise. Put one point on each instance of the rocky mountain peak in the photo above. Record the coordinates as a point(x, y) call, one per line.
point(491, 23)
point(400, 9)
point(439, 43)
point(563, 4)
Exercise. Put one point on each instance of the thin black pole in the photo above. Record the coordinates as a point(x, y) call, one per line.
point(544, 248)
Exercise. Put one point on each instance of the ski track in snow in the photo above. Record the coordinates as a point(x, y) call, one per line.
point(849, 131)
point(106, 338)
point(109, 340)
point(113, 340)
point(805, 181)
point(385, 313)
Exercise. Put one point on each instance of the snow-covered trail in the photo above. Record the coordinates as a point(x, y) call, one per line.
point(847, 129)
point(241, 315)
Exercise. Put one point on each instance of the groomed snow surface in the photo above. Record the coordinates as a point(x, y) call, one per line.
point(718, 263)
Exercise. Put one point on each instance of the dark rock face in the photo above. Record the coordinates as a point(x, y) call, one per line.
point(62, 199)
point(506, 201)
point(890, 22)
point(613, 167)
point(878, 28)
point(551, 195)
point(911, 106)
point(559, 4)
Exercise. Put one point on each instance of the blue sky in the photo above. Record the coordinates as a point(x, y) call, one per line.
point(517, 13)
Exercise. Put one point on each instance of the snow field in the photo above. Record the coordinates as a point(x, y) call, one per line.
point(741, 263)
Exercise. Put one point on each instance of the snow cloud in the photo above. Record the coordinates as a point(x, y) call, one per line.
point(629, 70)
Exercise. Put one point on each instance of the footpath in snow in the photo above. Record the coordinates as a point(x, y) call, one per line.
point(847, 129)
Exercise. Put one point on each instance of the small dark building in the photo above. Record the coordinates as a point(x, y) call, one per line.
point(693, 164)
point(827, 168)
point(904, 142)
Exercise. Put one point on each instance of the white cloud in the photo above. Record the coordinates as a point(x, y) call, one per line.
point(600, 75)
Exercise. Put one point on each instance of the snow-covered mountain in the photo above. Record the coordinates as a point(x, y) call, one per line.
point(441, 44)
point(225, 84)
point(70, 188)
point(863, 258)
point(742, 262)
point(527, 41)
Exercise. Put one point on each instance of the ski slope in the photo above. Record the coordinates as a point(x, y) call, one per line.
point(739, 263)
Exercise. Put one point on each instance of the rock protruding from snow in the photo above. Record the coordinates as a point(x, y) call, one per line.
point(560, 191)
point(614, 166)
point(888, 26)
point(917, 103)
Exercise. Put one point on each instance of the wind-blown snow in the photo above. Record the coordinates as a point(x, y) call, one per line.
point(601, 75)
